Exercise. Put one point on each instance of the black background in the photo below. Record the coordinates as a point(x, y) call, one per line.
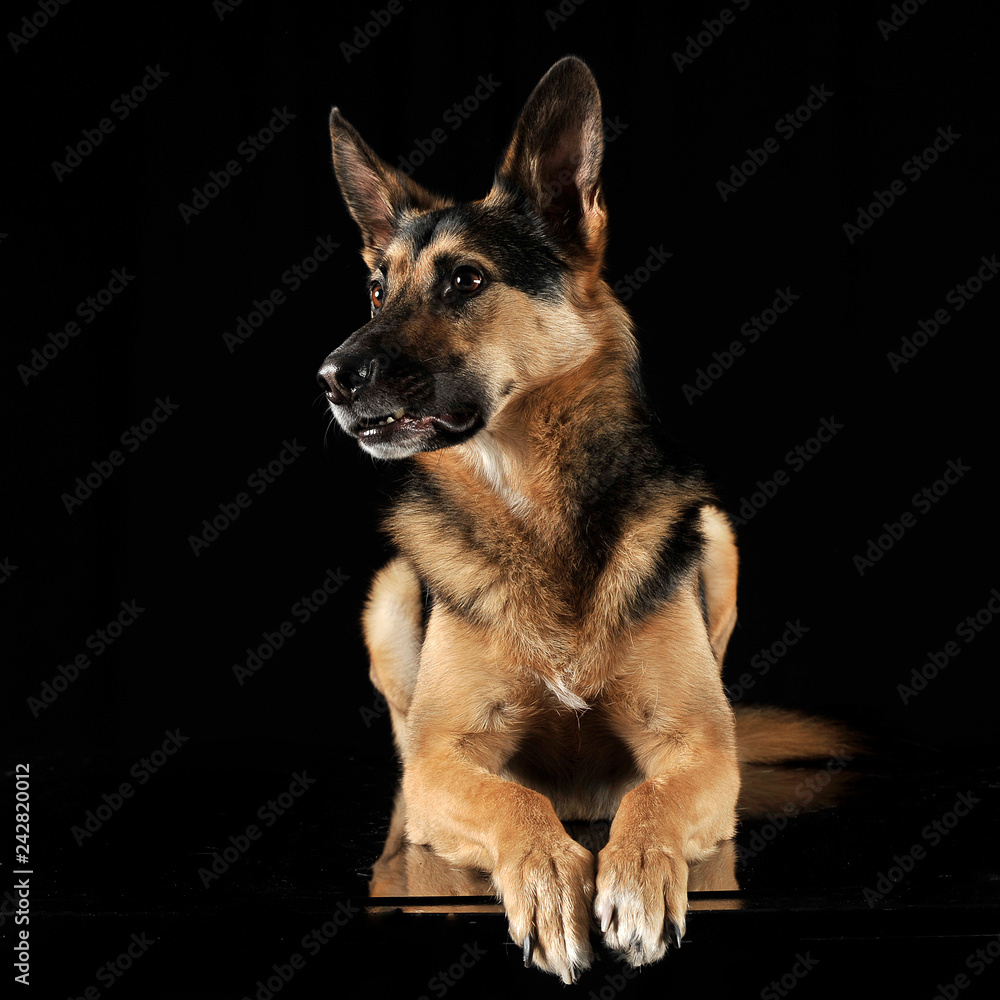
point(676, 134)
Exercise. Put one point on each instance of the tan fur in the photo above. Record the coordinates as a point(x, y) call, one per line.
point(553, 682)
point(719, 573)
point(768, 735)
point(483, 738)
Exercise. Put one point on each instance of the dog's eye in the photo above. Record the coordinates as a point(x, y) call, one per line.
point(377, 294)
point(466, 280)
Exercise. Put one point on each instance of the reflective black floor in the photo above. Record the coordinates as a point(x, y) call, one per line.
point(255, 880)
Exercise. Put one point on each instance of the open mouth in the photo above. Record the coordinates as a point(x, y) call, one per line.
point(399, 424)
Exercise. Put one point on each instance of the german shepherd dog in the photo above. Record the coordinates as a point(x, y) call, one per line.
point(550, 637)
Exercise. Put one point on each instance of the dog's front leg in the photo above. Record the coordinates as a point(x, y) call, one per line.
point(678, 816)
point(466, 721)
point(673, 715)
point(544, 877)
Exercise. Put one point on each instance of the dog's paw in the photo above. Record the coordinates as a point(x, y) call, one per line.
point(548, 893)
point(641, 901)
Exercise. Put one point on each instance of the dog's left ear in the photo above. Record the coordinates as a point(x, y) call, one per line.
point(376, 194)
point(554, 157)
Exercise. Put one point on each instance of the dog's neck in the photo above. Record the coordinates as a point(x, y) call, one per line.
point(540, 515)
point(533, 462)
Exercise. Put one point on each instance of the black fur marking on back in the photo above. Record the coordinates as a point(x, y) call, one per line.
point(625, 479)
point(625, 472)
point(678, 553)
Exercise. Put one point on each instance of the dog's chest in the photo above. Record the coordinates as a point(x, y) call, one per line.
point(553, 603)
point(577, 761)
point(563, 686)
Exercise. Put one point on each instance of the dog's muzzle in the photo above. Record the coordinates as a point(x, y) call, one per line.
point(384, 422)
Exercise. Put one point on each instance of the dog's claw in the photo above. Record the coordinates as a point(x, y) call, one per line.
point(675, 935)
point(607, 914)
point(529, 950)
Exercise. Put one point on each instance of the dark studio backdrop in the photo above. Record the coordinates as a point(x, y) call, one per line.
point(802, 201)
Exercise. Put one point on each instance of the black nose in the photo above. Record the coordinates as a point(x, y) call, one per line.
point(342, 376)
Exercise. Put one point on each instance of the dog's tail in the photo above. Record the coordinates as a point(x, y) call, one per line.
point(767, 735)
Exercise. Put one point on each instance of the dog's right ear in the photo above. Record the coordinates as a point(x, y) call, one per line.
point(375, 193)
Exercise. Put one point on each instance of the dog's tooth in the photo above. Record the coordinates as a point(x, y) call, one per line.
point(388, 420)
point(398, 414)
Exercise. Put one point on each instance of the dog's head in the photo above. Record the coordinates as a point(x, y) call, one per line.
point(472, 304)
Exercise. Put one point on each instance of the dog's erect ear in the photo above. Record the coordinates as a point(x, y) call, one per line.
point(374, 192)
point(554, 157)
